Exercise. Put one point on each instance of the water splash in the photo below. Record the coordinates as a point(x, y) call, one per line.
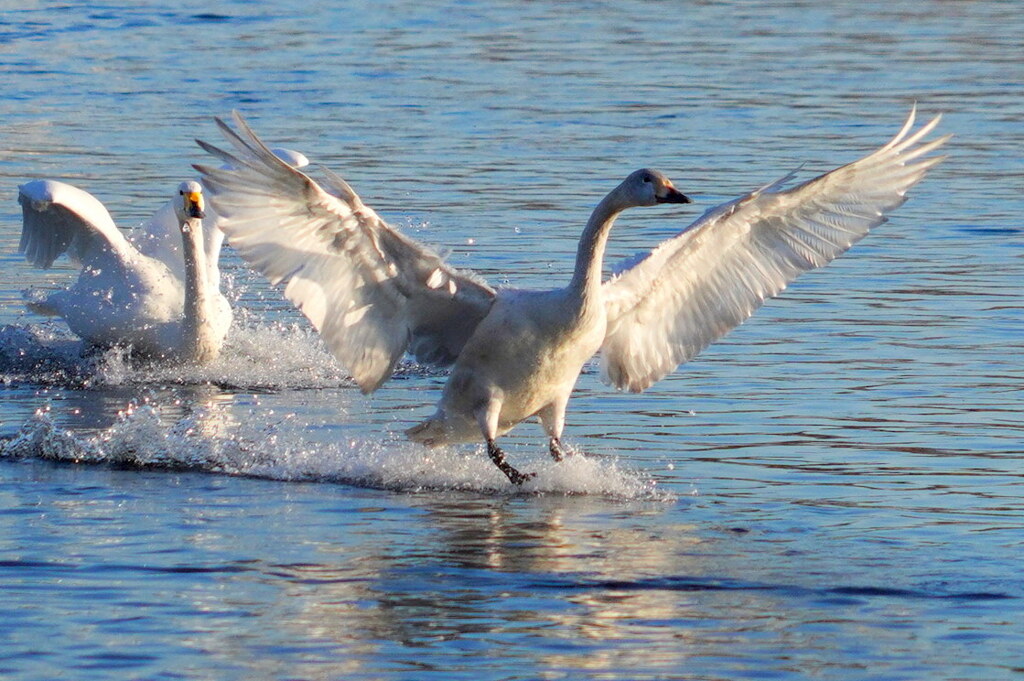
point(212, 439)
point(42, 354)
point(257, 355)
point(217, 437)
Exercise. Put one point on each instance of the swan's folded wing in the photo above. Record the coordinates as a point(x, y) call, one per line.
point(698, 285)
point(60, 218)
point(372, 292)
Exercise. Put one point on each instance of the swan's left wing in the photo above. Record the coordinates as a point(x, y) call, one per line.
point(370, 291)
point(700, 284)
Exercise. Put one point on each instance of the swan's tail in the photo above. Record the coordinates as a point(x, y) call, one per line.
point(430, 433)
point(444, 428)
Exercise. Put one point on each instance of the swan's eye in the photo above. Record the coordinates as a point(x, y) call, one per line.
point(181, 192)
point(647, 179)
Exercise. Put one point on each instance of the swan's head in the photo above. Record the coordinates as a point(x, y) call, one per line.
point(647, 187)
point(188, 205)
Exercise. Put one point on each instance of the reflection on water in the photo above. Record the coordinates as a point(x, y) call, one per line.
point(833, 491)
point(474, 584)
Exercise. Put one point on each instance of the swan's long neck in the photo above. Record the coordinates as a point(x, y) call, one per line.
point(213, 239)
point(199, 342)
point(586, 278)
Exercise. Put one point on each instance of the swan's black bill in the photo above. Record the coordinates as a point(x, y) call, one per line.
point(194, 206)
point(674, 196)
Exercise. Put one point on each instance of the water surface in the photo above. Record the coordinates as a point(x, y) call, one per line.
point(833, 491)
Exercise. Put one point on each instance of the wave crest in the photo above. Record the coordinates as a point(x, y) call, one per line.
point(210, 439)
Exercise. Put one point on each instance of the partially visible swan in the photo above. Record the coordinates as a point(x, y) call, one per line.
point(131, 292)
point(375, 294)
point(123, 296)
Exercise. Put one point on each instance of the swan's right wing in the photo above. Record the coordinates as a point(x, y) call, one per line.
point(59, 218)
point(371, 292)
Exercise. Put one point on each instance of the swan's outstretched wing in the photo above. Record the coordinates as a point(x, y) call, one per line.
point(160, 236)
point(372, 292)
point(697, 286)
point(59, 218)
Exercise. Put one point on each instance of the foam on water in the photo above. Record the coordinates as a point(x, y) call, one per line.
point(257, 355)
point(212, 440)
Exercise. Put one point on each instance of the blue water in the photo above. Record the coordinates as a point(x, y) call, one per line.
point(833, 491)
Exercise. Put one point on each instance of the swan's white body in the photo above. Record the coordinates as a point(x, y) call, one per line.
point(375, 294)
point(124, 296)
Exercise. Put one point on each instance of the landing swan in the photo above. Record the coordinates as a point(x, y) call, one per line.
point(375, 294)
point(123, 296)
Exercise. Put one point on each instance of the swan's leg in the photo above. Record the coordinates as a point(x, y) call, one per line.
point(552, 418)
point(555, 449)
point(498, 457)
point(487, 418)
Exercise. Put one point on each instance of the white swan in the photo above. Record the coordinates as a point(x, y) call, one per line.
point(135, 291)
point(158, 307)
point(374, 294)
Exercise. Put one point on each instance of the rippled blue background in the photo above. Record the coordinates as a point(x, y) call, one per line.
point(831, 492)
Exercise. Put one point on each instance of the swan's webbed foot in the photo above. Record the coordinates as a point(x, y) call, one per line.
point(556, 450)
point(498, 457)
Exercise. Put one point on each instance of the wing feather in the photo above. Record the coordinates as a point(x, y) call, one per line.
point(695, 287)
point(371, 292)
point(59, 218)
